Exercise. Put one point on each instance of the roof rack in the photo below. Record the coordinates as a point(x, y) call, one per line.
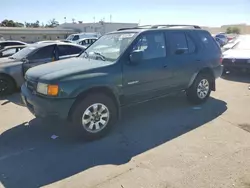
point(159, 26)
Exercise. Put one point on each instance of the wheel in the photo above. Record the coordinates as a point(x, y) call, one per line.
point(7, 86)
point(94, 116)
point(200, 89)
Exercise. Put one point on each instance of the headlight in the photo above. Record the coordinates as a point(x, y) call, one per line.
point(47, 89)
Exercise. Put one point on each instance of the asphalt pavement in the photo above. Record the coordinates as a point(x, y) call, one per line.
point(166, 143)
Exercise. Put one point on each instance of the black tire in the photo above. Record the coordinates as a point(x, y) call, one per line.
point(192, 91)
point(83, 105)
point(7, 86)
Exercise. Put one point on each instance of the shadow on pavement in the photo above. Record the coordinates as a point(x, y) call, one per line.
point(14, 98)
point(30, 158)
point(237, 77)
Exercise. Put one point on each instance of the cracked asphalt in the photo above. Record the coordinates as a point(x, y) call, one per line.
point(166, 143)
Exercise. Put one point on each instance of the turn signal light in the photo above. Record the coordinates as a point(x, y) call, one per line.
point(53, 90)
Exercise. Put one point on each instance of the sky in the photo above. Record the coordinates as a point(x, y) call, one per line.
point(209, 13)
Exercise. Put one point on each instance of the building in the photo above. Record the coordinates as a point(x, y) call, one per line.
point(244, 28)
point(33, 34)
point(99, 27)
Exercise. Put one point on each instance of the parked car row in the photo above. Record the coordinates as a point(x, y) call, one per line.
point(236, 57)
point(121, 68)
point(13, 68)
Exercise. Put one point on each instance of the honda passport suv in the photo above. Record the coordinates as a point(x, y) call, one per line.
point(121, 68)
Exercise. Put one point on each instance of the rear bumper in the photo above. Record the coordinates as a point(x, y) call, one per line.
point(46, 107)
point(218, 71)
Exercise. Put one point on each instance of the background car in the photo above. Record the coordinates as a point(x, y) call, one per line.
point(222, 37)
point(86, 41)
point(3, 44)
point(219, 41)
point(13, 68)
point(74, 38)
point(10, 50)
point(238, 57)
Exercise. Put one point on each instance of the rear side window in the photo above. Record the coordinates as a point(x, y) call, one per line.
point(68, 50)
point(208, 41)
point(43, 53)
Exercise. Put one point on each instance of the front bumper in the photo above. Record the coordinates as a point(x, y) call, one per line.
point(46, 107)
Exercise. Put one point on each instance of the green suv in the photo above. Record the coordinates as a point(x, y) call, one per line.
point(121, 68)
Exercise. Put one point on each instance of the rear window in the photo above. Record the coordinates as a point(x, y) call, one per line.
point(208, 41)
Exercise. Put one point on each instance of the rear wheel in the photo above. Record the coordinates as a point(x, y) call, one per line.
point(95, 116)
point(200, 89)
point(7, 86)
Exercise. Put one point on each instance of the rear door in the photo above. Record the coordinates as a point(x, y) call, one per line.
point(42, 55)
point(182, 54)
point(68, 51)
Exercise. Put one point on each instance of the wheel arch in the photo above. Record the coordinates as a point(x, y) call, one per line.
point(98, 89)
point(207, 71)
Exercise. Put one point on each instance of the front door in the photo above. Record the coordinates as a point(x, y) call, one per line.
point(149, 78)
point(41, 56)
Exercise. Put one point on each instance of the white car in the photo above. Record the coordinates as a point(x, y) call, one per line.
point(238, 57)
point(74, 38)
point(86, 41)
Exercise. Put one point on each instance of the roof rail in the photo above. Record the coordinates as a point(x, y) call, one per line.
point(159, 26)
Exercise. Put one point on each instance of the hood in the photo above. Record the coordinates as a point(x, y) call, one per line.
point(62, 68)
point(237, 54)
point(6, 62)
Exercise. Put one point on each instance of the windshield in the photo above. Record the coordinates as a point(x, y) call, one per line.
point(23, 53)
point(70, 37)
point(243, 45)
point(109, 47)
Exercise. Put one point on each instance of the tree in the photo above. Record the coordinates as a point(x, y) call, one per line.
point(10, 23)
point(52, 23)
point(234, 30)
point(33, 25)
point(229, 30)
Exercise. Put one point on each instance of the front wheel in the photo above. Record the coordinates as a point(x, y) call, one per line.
point(200, 89)
point(94, 116)
point(7, 86)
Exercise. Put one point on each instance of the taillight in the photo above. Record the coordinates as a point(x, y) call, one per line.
point(221, 59)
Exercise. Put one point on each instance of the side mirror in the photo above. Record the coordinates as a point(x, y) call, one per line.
point(24, 60)
point(180, 51)
point(135, 57)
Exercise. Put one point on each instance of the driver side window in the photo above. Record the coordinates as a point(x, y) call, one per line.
point(151, 45)
point(43, 53)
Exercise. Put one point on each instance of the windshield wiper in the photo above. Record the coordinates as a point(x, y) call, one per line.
point(100, 55)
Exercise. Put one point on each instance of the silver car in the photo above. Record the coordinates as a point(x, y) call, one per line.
point(13, 68)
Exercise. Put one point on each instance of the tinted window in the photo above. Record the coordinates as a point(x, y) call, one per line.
point(152, 45)
point(68, 50)
point(178, 41)
point(43, 53)
point(208, 41)
point(76, 37)
point(191, 44)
